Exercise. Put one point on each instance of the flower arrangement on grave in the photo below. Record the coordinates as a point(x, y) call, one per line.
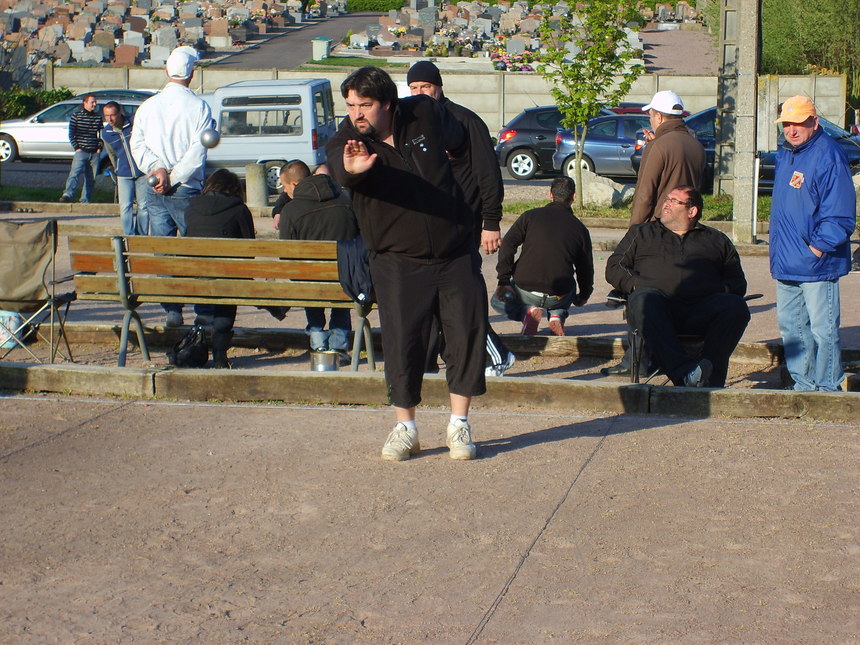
point(438, 51)
point(505, 62)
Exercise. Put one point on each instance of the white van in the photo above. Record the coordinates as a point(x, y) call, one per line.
point(271, 122)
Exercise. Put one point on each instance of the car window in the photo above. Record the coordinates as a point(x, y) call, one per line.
point(550, 120)
point(59, 113)
point(629, 127)
point(237, 123)
point(704, 126)
point(324, 106)
point(604, 129)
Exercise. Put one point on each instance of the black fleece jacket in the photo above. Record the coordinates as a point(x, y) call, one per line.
point(318, 211)
point(409, 202)
point(556, 246)
point(216, 214)
point(691, 266)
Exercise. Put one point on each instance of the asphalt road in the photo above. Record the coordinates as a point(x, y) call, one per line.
point(293, 48)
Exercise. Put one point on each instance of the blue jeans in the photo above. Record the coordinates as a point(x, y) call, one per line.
point(167, 217)
point(516, 309)
point(128, 189)
point(339, 326)
point(86, 164)
point(808, 316)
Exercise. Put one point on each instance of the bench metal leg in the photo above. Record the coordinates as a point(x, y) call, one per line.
point(363, 335)
point(123, 339)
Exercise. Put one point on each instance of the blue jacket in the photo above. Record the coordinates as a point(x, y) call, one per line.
point(117, 145)
point(813, 205)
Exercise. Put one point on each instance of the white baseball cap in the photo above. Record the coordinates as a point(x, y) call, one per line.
point(666, 102)
point(180, 63)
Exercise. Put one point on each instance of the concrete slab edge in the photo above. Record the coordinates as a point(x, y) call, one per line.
point(351, 388)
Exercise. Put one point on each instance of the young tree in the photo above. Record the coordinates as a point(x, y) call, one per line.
point(586, 57)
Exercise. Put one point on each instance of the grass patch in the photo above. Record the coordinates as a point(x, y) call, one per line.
point(347, 61)
point(717, 208)
point(37, 194)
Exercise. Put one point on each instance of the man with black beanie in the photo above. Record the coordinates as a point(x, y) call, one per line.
point(478, 174)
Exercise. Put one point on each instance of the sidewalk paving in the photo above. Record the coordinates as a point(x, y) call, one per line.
point(132, 521)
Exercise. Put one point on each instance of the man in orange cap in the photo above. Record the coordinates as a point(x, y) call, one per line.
point(811, 221)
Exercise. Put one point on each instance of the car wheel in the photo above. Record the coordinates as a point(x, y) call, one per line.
point(569, 167)
point(522, 164)
point(8, 148)
point(273, 179)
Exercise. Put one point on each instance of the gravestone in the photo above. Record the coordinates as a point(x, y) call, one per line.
point(61, 53)
point(145, 5)
point(217, 28)
point(165, 37)
point(482, 26)
point(93, 53)
point(137, 24)
point(372, 31)
point(76, 47)
point(515, 46)
point(133, 39)
point(192, 22)
point(358, 41)
point(126, 55)
point(159, 54)
point(529, 25)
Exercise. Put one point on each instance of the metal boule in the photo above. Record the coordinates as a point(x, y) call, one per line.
point(210, 138)
point(152, 180)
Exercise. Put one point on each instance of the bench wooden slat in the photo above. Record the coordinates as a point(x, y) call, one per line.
point(91, 263)
point(238, 268)
point(244, 289)
point(228, 247)
point(90, 243)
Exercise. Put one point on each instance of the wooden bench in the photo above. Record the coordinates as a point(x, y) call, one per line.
point(133, 270)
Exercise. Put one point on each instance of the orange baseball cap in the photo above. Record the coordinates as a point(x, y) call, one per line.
point(796, 110)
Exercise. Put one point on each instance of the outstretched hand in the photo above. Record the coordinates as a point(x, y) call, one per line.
point(356, 158)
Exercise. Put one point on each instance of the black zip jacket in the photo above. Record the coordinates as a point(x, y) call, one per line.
point(409, 202)
point(318, 211)
point(555, 247)
point(478, 171)
point(688, 267)
point(218, 215)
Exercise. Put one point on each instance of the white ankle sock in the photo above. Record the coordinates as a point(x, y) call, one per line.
point(410, 425)
point(457, 417)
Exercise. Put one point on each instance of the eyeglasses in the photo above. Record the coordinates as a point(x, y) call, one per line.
point(678, 202)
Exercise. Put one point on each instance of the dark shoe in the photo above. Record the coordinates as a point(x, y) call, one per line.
point(616, 370)
point(65, 199)
point(343, 358)
point(220, 345)
point(278, 312)
point(698, 376)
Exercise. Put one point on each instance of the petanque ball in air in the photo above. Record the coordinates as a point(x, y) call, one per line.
point(210, 138)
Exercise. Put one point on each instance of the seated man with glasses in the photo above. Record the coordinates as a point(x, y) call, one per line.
point(682, 278)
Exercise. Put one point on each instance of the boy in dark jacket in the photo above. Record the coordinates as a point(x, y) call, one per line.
point(130, 181)
point(318, 210)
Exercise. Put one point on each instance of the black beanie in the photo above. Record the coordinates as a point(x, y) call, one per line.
point(424, 71)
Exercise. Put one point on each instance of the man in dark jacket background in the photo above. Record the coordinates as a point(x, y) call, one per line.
point(556, 256)
point(682, 278)
point(318, 210)
point(392, 154)
point(130, 181)
point(479, 176)
point(84, 128)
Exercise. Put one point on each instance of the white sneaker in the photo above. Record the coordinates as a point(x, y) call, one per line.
point(460, 440)
point(500, 368)
point(401, 443)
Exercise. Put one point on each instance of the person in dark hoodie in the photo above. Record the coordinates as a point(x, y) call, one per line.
point(219, 211)
point(392, 155)
point(318, 210)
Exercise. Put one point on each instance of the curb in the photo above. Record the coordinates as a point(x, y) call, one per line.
point(369, 389)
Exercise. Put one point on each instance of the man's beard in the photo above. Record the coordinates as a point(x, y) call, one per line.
point(368, 130)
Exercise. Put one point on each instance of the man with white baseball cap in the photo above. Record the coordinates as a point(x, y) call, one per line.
point(165, 144)
point(672, 158)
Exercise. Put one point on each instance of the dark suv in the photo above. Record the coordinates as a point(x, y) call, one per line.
point(527, 143)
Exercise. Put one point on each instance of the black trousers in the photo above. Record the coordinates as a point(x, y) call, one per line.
point(409, 295)
point(720, 319)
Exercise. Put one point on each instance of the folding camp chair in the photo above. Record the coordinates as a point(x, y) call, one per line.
point(28, 285)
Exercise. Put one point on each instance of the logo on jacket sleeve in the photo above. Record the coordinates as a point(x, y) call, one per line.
point(796, 180)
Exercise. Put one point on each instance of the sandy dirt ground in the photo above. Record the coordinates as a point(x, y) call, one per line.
point(145, 522)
